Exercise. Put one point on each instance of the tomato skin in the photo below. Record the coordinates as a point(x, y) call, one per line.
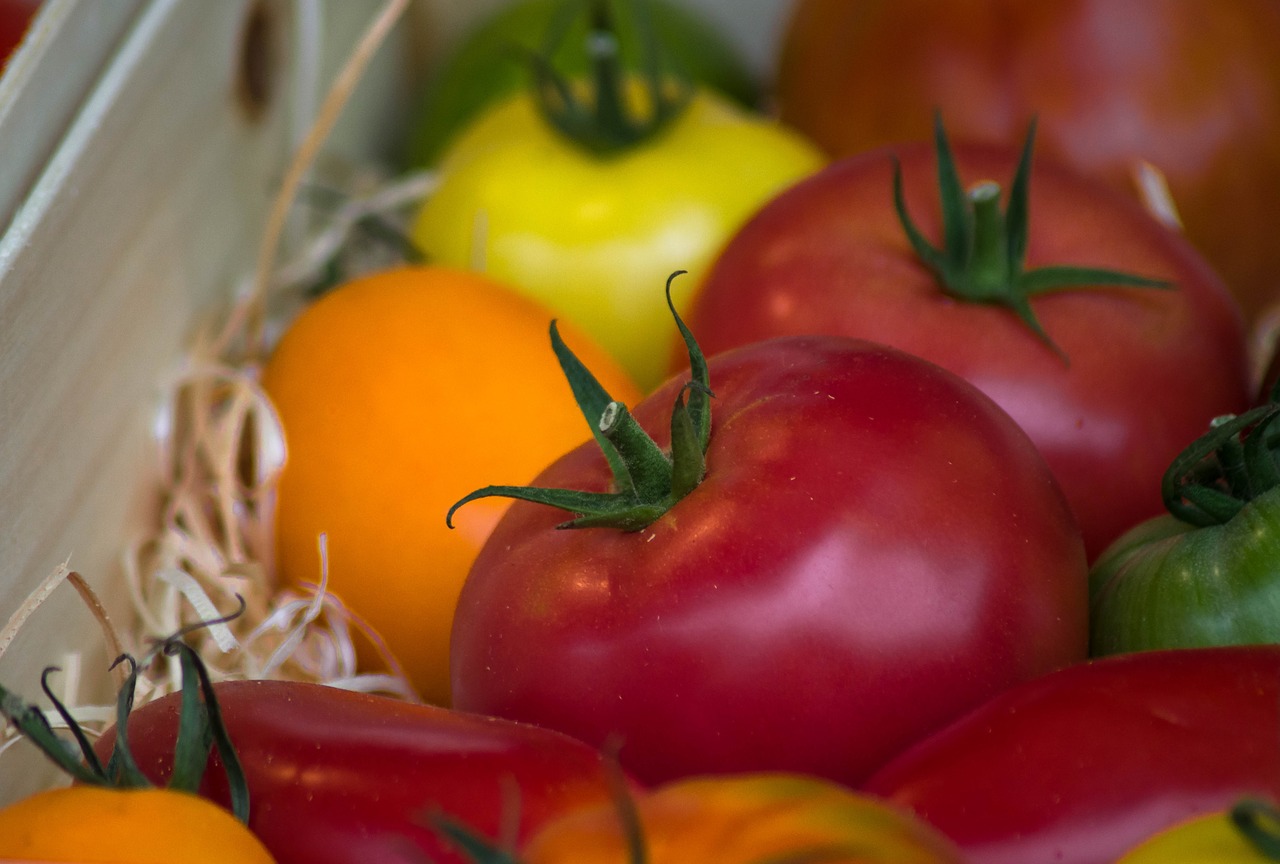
point(1078, 766)
point(1167, 584)
point(745, 819)
point(95, 825)
point(1148, 368)
point(595, 238)
point(484, 68)
point(336, 776)
point(844, 482)
point(1112, 84)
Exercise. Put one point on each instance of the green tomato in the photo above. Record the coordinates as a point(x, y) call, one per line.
point(596, 237)
point(487, 65)
point(1208, 572)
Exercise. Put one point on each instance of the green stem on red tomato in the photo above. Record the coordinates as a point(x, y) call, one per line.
point(200, 729)
point(647, 482)
point(604, 120)
point(984, 249)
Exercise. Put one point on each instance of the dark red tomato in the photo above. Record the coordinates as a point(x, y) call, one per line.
point(336, 777)
point(1194, 92)
point(1079, 766)
point(874, 549)
point(15, 17)
point(1145, 368)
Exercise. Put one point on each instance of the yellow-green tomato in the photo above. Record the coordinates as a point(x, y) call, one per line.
point(1209, 839)
point(595, 237)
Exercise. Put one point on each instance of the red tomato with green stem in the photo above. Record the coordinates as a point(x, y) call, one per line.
point(1194, 92)
point(841, 551)
point(337, 776)
point(1032, 299)
point(1079, 766)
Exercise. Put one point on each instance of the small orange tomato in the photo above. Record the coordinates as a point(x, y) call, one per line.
point(745, 819)
point(96, 825)
point(399, 393)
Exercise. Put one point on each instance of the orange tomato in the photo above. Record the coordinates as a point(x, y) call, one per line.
point(1193, 92)
point(746, 819)
point(95, 825)
point(398, 394)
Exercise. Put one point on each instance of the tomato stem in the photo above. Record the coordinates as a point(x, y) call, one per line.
point(601, 116)
point(647, 482)
point(984, 249)
point(1223, 470)
point(1259, 822)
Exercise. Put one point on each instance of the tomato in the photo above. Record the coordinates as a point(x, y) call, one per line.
point(1113, 84)
point(93, 825)
point(1208, 571)
point(588, 203)
point(15, 18)
point(1215, 837)
point(747, 818)
point(873, 548)
point(1078, 766)
point(394, 393)
point(337, 776)
point(487, 65)
point(1110, 381)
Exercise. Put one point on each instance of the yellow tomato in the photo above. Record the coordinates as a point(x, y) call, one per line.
point(1207, 839)
point(595, 237)
point(93, 825)
point(398, 394)
point(746, 819)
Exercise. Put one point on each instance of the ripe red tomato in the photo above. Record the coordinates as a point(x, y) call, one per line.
point(1079, 766)
point(1145, 369)
point(1196, 93)
point(875, 548)
point(15, 18)
point(336, 776)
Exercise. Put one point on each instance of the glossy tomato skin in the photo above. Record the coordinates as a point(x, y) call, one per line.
point(874, 549)
point(1079, 766)
point(1195, 94)
point(746, 819)
point(1146, 368)
point(336, 776)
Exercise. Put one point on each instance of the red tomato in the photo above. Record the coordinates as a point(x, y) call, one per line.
point(336, 777)
point(875, 547)
point(1079, 766)
point(1193, 91)
point(15, 18)
point(1145, 369)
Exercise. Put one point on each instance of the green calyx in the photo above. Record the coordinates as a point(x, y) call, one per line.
point(604, 119)
point(200, 728)
point(647, 481)
point(1220, 472)
point(984, 248)
point(1259, 822)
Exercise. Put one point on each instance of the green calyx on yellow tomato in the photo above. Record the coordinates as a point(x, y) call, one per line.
point(200, 729)
point(647, 482)
point(490, 64)
point(984, 249)
point(583, 195)
point(1208, 571)
point(1247, 833)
